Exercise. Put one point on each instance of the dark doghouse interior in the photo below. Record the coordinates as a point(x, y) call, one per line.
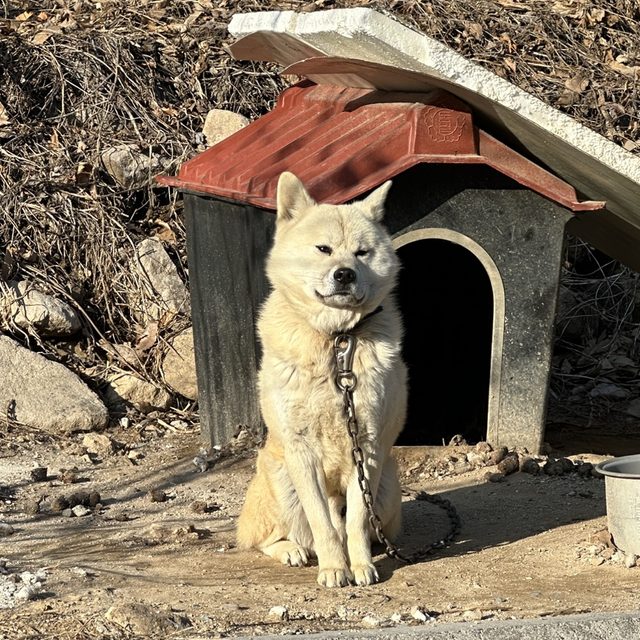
point(447, 305)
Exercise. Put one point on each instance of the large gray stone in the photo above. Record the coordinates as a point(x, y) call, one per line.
point(164, 295)
point(31, 309)
point(179, 365)
point(45, 394)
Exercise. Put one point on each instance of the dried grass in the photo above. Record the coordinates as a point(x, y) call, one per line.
point(79, 77)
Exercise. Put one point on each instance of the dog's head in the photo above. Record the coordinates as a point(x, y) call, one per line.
point(335, 262)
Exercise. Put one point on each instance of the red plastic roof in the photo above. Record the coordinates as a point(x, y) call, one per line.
point(342, 142)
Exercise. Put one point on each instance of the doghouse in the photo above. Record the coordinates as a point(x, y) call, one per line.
point(479, 229)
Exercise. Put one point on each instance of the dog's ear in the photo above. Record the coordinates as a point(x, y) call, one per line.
point(292, 198)
point(374, 202)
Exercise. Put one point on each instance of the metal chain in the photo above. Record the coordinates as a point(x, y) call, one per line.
point(346, 381)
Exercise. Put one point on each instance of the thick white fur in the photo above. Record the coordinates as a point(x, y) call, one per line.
point(305, 474)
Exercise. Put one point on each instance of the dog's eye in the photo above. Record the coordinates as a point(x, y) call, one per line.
point(361, 252)
point(323, 248)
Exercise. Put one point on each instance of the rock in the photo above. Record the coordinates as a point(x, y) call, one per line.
point(498, 455)
point(68, 476)
point(567, 465)
point(529, 465)
point(165, 295)
point(630, 560)
point(477, 459)
point(220, 124)
point(45, 394)
point(371, 621)
point(609, 391)
point(127, 389)
point(494, 477)
point(80, 510)
point(130, 168)
point(279, 612)
point(93, 499)
point(396, 618)
point(179, 365)
point(67, 513)
point(472, 615)
point(39, 474)
point(158, 495)
point(99, 444)
point(6, 530)
point(142, 620)
point(59, 504)
point(585, 469)
point(553, 468)
point(509, 464)
point(418, 614)
point(31, 309)
point(483, 447)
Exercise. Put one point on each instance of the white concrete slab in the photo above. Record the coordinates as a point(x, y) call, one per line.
point(595, 166)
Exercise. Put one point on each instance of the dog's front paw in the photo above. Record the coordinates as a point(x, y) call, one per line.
point(364, 574)
point(334, 577)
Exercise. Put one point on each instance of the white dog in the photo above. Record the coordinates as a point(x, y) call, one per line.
point(332, 267)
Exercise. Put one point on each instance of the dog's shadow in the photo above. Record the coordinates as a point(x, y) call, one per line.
point(494, 514)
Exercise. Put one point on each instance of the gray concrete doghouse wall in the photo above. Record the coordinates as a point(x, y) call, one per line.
point(516, 236)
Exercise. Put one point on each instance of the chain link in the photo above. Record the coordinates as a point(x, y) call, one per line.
point(346, 381)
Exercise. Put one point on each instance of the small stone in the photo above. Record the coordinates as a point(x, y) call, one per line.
point(584, 470)
point(553, 468)
point(94, 499)
point(201, 463)
point(59, 504)
point(68, 476)
point(529, 465)
point(618, 557)
point(128, 166)
point(125, 389)
point(27, 592)
point(477, 459)
point(597, 561)
point(99, 444)
point(158, 495)
point(371, 621)
point(39, 474)
point(509, 464)
point(79, 497)
point(498, 455)
point(483, 447)
point(200, 506)
point(32, 507)
point(494, 477)
point(567, 465)
point(179, 365)
point(67, 513)
point(6, 530)
point(472, 615)
point(279, 612)
point(80, 510)
point(630, 560)
point(418, 614)
point(396, 618)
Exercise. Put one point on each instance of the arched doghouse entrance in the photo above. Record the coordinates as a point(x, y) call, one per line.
point(452, 301)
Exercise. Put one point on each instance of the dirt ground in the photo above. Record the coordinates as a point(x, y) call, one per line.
point(530, 546)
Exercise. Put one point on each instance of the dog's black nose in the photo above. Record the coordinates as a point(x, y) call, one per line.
point(344, 275)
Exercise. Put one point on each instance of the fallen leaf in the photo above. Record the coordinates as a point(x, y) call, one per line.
point(577, 84)
point(632, 72)
point(4, 118)
point(41, 37)
point(148, 338)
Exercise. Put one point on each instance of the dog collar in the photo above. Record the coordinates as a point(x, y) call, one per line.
point(376, 311)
